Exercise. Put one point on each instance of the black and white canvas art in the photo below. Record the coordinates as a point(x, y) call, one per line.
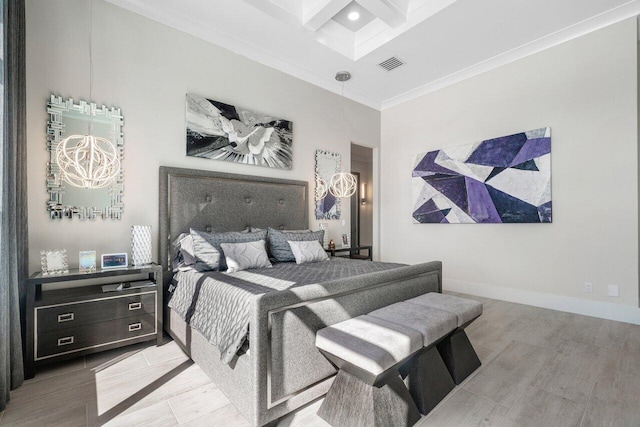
point(224, 132)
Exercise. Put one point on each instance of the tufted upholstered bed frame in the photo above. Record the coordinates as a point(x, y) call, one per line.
point(282, 369)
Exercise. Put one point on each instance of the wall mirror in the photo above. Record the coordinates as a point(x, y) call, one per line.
point(327, 207)
point(67, 118)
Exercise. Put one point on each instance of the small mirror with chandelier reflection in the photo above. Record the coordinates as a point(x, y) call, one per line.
point(327, 204)
point(85, 179)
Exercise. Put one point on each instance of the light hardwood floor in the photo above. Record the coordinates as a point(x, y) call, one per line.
point(539, 368)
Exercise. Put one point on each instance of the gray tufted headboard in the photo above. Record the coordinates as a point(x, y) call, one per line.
point(216, 201)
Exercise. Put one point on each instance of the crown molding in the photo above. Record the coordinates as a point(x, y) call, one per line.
point(178, 21)
point(628, 10)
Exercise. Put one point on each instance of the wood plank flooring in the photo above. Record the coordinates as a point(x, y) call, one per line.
point(539, 368)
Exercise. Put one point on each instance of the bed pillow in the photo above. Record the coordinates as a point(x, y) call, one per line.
point(308, 251)
point(186, 250)
point(278, 242)
point(207, 250)
point(242, 256)
point(182, 252)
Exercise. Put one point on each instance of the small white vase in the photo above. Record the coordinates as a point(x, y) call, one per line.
point(325, 240)
point(140, 245)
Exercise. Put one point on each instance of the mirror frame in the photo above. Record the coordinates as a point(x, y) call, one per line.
point(56, 108)
point(334, 213)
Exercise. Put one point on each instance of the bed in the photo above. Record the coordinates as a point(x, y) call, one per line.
point(280, 369)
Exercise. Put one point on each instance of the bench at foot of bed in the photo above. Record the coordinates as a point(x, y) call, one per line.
point(421, 340)
point(456, 350)
point(368, 390)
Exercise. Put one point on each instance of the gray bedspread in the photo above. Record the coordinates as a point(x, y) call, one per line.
point(218, 304)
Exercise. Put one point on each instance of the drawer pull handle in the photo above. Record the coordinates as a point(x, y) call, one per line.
point(135, 327)
point(135, 305)
point(66, 317)
point(65, 341)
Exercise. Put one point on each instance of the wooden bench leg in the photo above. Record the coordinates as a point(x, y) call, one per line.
point(427, 379)
point(459, 356)
point(351, 402)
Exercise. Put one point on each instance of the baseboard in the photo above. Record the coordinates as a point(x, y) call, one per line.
point(603, 310)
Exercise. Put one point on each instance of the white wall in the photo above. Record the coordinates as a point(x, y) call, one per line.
point(146, 69)
point(586, 91)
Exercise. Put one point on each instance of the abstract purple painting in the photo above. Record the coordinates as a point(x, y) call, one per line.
point(500, 180)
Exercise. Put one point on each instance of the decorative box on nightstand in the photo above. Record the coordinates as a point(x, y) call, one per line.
point(70, 322)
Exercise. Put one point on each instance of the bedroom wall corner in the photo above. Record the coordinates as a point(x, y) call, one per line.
point(586, 91)
point(146, 68)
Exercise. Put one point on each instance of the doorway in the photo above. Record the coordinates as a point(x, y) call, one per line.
point(361, 201)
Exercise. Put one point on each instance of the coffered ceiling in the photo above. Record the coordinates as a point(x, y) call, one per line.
point(429, 43)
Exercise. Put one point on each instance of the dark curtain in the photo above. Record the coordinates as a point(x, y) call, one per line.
point(13, 241)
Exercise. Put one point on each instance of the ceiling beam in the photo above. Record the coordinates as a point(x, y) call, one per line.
point(391, 12)
point(276, 11)
point(322, 12)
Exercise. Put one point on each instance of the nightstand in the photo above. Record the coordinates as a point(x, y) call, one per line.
point(71, 322)
point(353, 252)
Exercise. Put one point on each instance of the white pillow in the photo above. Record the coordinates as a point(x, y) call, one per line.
point(242, 256)
point(186, 248)
point(308, 251)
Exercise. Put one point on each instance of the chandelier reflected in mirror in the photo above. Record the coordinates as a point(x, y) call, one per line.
point(88, 161)
point(322, 188)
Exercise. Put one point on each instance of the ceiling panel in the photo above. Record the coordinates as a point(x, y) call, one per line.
point(441, 41)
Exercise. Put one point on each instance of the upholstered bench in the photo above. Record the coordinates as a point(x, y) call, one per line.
point(426, 375)
point(456, 350)
point(368, 390)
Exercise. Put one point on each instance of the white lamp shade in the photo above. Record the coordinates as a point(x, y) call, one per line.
point(141, 245)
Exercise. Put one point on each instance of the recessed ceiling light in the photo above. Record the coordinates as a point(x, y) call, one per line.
point(353, 17)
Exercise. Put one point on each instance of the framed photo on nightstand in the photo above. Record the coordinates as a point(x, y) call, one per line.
point(54, 262)
point(87, 262)
point(114, 261)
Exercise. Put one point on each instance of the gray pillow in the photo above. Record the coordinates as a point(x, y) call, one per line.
point(207, 250)
point(310, 251)
point(278, 242)
point(242, 256)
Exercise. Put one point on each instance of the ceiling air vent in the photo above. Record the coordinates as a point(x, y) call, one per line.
point(391, 63)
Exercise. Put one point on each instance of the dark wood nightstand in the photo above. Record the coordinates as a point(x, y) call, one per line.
point(70, 322)
point(353, 252)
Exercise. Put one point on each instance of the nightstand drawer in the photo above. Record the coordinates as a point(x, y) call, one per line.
point(89, 336)
point(70, 315)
